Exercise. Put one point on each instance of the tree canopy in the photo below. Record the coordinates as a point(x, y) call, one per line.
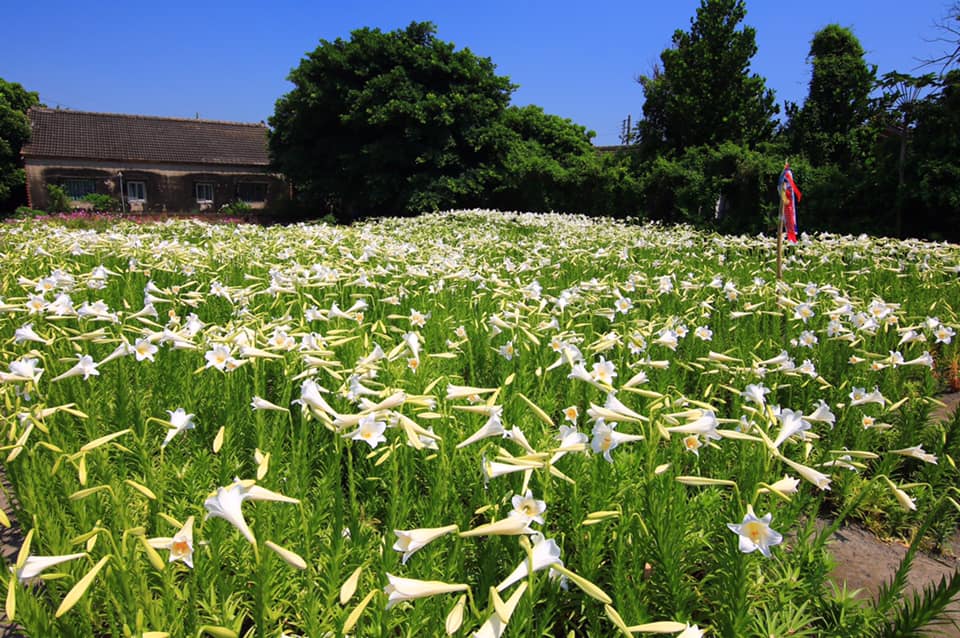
point(704, 92)
point(838, 100)
point(551, 164)
point(391, 123)
point(401, 122)
point(14, 133)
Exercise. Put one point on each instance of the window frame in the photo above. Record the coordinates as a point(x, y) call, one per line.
point(196, 192)
point(143, 190)
point(254, 186)
point(67, 181)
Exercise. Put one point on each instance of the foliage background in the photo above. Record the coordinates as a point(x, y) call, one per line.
point(868, 153)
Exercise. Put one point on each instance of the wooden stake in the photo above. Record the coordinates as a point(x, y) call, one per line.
point(783, 315)
point(780, 241)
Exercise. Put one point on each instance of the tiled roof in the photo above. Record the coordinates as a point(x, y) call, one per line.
point(109, 136)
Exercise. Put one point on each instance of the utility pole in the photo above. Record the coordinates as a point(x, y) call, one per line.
point(123, 202)
point(626, 131)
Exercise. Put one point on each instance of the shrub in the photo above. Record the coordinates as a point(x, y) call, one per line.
point(103, 202)
point(235, 208)
point(24, 212)
point(59, 201)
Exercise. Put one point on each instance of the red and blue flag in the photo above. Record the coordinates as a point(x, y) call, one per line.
point(789, 196)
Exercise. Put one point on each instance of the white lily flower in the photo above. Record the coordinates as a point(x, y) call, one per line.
point(493, 469)
point(310, 398)
point(822, 414)
point(706, 425)
point(786, 485)
point(262, 404)
point(822, 481)
point(493, 427)
point(917, 452)
point(26, 333)
point(791, 423)
point(225, 504)
point(144, 349)
point(859, 396)
point(545, 553)
point(614, 404)
point(526, 505)
point(179, 421)
point(667, 338)
point(24, 370)
point(570, 439)
point(779, 360)
point(606, 438)
point(180, 546)
point(122, 350)
point(401, 589)
point(603, 371)
point(638, 379)
point(369, 430)
point(944, 334)
point(35, 564)
point(372, 358)
point(755, 393)
point(756, 533)
point(579, 371)
point(226, 501)
point(412, 341)
point(85, 366)
point(218, 357)
point(926, 359)
point(412, 540)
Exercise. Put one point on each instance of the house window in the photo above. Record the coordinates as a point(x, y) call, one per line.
point(78, 188)
point(136, 191)
point(204, 192)
point(252, 192)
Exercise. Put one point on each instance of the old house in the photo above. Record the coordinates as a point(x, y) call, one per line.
point(151, 164)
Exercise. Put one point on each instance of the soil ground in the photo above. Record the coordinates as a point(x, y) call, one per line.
point(865, 562)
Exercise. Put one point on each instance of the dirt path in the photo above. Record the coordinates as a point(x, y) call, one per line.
point(950, 401)
point(865, 562)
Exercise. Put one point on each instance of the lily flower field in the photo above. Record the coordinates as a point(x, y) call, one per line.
point(468, 423)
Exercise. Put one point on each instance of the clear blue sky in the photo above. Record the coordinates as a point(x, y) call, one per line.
point(230, 60)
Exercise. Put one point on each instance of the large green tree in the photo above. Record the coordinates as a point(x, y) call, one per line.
point(391, 123)
point(552, 165)
point(704, 93)
point(545, 157)
point(937, 145)
point(828, 127)
point(14, 133)
point(916, 163)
